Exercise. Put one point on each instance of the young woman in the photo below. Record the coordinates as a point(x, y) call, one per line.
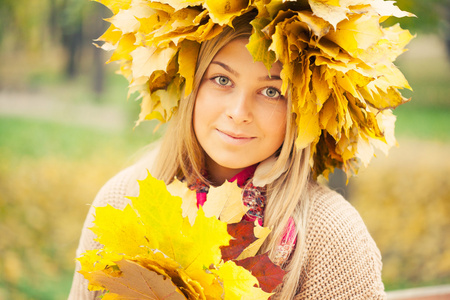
point(238, 124)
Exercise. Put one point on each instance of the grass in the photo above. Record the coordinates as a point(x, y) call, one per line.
point(54, 288)
point(48, 174)
point(423, 123)
point(38, 138)
point(404, 200)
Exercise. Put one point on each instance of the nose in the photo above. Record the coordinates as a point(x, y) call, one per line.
point(239, 108)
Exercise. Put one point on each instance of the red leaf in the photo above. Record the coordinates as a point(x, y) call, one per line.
point(268, 274)
point(243, 236)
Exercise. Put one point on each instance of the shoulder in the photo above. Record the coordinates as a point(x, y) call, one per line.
point(125, 183)
point(333, 215)
point(342, 259)
point(115, 192)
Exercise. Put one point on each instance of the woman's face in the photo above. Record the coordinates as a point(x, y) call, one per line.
point(239, 114)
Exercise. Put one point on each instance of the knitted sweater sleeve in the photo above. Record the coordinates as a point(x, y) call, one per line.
point(342, 260)
point(112, 193)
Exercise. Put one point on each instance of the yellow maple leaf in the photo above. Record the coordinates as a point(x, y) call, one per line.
point(179, 4)
point(126, 21)
point(187, 60)
point(225, 202)
point(124, 47)
point(120, 230)
point(150, 108)
point(328, 119)
point(358, 32)
point(189, 205)
point(259, 44)
point(116, 5)
point(93, 261)
point(152, 23)
point(164, 233)
point(309, 123)
point(112, 35)
point(223, 11)
point(319, 26)
point(321, 91)
point(388, 8)
point(144, 59)
point(329, 10)
point(169, 98)
point(239, 283)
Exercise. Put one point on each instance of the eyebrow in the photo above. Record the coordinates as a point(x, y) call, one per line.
point(226, 67)
point(232, 71)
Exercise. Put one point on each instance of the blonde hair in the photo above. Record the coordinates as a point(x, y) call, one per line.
point(287, 196)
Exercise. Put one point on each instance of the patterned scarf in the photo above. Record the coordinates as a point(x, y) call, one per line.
point(254, 197)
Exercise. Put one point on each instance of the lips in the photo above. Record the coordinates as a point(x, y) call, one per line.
point(235, 138)
point(235, 135)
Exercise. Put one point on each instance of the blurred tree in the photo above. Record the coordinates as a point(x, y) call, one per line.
point(71, 24)
point(80, 23)
point(43, 28)
point(6, 9)
point(430, 15)
point(20, 23)
point(95, 27)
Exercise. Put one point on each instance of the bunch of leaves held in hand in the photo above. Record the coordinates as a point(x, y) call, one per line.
point(163, 247)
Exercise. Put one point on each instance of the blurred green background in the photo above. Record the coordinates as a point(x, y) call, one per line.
point(66, 127)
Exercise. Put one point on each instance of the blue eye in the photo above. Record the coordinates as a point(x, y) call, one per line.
point(271, 92)
point(222, 80)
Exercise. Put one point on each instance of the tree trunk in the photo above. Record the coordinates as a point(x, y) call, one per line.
point(98, 74)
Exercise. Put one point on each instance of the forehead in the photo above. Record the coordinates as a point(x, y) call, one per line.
point(236, 53)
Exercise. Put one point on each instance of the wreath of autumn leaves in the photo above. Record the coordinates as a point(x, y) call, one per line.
point(337, 64)
point(163, 247)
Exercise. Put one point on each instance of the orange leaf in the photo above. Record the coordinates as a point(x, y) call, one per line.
point(136, 282)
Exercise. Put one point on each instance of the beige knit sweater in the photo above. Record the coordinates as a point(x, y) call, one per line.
point(343, 261)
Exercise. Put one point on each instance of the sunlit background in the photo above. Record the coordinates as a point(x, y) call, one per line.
point(66, 127)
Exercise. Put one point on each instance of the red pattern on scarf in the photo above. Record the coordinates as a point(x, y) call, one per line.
point(253, 197)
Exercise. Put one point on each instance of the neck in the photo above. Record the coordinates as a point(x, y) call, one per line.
point(218, 174)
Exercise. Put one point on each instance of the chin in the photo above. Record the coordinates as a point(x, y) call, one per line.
point(234, 166)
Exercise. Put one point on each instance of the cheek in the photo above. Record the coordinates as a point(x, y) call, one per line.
point(200, 113)
point(197, 118)
point(279, 132)
point(207, 105)
point(276, 125)
point(200, 102)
